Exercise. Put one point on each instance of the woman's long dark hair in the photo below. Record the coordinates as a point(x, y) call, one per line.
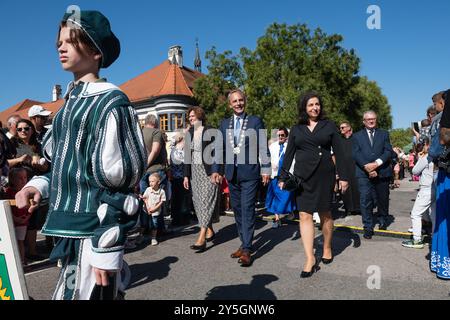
point(33, 138)
point(303, 117)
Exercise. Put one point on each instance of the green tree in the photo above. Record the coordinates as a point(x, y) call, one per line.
point(366, 95)
point(401, 137)
point(224, 74)
point(287, 62)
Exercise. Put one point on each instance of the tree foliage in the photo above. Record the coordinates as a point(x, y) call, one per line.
point(401, 137)
point(288, 61)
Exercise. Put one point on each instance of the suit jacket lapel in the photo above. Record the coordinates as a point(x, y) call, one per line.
point(376, 135)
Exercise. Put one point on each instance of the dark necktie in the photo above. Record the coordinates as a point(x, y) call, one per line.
point(371, 131)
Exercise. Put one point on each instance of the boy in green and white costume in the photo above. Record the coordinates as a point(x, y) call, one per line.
point(97, 156)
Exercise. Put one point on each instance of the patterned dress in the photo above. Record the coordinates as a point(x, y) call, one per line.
point(204, 193)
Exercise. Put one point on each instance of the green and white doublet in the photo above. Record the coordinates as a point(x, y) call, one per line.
point(97, 155)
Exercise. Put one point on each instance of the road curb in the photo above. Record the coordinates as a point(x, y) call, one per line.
point(38, 265)
point(337, 227)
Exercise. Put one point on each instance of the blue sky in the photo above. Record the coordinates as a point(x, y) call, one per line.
point(408, 57)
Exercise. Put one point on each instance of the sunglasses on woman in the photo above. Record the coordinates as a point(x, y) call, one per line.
point(26, 129)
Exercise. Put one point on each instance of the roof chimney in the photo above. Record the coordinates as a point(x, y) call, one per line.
point(175, 55)
point(56, 92)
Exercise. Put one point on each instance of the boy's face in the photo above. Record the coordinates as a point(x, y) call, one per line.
point(72, 60)
point(154, 183)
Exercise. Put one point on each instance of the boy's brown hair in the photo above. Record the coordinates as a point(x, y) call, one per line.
point(80, 40)
point(438, 96)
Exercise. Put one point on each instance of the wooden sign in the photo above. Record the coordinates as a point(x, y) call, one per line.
point(12, 280)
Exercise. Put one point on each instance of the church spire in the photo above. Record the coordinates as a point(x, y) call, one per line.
point(197, 61)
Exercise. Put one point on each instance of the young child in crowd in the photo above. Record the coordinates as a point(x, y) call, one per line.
point(226, 194)
point(18, 178)
point(411, 163)
point(424, 198)
point(154, 198)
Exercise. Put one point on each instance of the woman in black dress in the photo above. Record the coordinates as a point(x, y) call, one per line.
point(310, 143)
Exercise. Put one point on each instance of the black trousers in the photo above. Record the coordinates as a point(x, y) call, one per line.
point(180, 204)
point(367, 188)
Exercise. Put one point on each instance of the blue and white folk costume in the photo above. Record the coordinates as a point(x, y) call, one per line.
point(440, 255)
point(97, 156)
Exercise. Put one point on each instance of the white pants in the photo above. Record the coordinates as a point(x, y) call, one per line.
point(422, 205)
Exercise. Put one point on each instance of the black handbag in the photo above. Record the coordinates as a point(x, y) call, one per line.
point(293, 182)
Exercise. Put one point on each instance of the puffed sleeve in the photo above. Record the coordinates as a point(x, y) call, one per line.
point(118, 163)
point(120, 156)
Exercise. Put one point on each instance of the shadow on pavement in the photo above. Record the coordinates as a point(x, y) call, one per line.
point(255, 290)
point(147, 272)
point(229, 232)
point(267, 240)
point(341, 241)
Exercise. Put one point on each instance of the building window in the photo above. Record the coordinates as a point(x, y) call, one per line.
point(164, 122)
point(176, 121)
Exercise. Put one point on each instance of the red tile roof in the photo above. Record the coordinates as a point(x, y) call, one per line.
point(164, 79)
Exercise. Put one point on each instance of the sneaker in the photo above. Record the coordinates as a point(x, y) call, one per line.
point(154, 242)
point(413, 244)
point(410, 230)
point(59, 263)
point(275, 224)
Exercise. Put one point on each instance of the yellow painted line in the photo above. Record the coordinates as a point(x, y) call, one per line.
point(388, 232)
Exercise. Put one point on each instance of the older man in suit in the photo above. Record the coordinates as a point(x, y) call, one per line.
point(372, 152)
point(247, 159)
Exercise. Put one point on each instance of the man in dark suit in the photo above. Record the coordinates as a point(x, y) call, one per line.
point(247, 158)
point(372, 152)
point(351, 197)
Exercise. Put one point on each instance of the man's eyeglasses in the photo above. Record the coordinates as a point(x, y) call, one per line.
point(281, 135)
point(26, 129)
point(343, 127)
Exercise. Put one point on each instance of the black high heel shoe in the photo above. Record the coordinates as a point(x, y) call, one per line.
point(327, 261)
point(199, 248)
point(307, 274)
point(211, 238)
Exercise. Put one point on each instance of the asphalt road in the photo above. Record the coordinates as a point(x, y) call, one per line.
point(362, 269)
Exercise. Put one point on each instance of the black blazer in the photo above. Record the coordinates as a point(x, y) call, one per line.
point(207, 140)
point(310, 148)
